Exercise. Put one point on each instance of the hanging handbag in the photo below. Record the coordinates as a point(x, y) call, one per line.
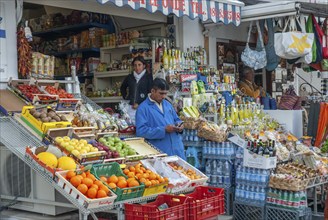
point(272, 58)
point(253, 58)
point(293, 44)
point(325, 40)
point(318, 35)
point(288, 99)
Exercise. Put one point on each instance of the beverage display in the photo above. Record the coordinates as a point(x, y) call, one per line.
point(287, 199)
point(251, 185)
point(220, 172)
point(262, 148)
point(213, 149)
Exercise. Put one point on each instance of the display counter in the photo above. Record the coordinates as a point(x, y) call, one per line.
point(292, 120)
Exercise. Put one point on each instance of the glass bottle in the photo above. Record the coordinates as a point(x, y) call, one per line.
point(165, 60)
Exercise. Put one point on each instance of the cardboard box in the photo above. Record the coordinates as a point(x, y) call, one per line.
point(257, 161)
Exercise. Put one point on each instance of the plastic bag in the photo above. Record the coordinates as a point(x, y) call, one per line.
point(177, 181)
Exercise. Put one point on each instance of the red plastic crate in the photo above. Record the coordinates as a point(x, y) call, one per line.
point(205, 202)
point(178, 209)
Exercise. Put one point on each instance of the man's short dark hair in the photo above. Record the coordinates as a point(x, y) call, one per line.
point(161, 84)
point(247, 70)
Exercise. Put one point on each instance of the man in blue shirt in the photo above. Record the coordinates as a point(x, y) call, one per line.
point(158, 123)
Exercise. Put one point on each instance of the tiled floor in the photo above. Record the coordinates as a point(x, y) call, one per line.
point(12, 214)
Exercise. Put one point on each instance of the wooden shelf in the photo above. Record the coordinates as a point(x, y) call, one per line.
point(68, 29)
point(82, 50)
point(113, 73)
point(109, 99)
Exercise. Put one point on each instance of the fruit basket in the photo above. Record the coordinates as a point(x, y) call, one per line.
point(41, 127)
point(105, 171)
point(76, 192)
point(196, 177)
point(143, 149)
point(154, 183)
point(164, 207)
point(205, 202)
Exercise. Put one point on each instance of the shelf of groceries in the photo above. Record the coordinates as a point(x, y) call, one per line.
point(80, 150)
point(76, 147)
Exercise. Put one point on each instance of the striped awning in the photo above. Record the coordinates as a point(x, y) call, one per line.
point(226, 11)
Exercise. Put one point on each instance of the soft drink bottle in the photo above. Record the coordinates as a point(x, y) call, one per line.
point(269, 199)
point(297, 200)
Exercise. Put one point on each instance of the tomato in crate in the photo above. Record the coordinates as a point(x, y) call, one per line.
point(205, 202)
point(164, 207)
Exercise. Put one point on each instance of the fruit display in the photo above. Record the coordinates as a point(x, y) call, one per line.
point(190, 173)
point(87, 184)
point(52, 157)
point(29, 90)
point(74, 146)
point(115, 144)
point(46, 115)
point(102, 147)
point(125, 187)
point(144, 175)
point(99, 119)
point(60, 92)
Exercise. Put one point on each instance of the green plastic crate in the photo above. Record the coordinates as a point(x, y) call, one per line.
point(108, 169)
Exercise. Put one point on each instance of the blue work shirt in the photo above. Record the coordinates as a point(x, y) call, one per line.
point(151, 123)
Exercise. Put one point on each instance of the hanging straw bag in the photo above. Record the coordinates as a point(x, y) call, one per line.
point(253, 58)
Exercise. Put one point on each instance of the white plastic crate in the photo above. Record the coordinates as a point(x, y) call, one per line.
point(82, 199)
point(193, 183)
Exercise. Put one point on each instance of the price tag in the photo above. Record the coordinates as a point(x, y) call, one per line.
point(237, 141)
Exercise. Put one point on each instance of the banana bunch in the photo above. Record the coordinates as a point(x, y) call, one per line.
point(191, 111)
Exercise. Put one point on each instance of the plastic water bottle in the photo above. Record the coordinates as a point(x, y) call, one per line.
point(237, 194)
point(262, 195)
point(208, 168)
point(258, 176)
point(219, 168)
point(263, 178)
point(238, 174)
point(243, 175)
point(227, 170)
point(248, 176)
point(205, 148)
point(221, 150)
point(242, 193)
point(257, 196)
point(214, 167)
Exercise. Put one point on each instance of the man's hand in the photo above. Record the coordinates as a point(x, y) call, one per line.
point(170, 128)
point(180, 128)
